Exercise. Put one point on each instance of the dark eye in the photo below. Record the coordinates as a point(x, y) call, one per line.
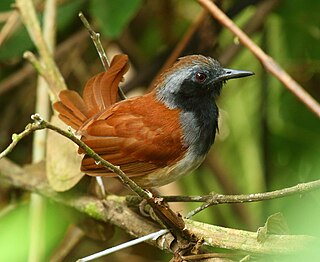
point(201, 77)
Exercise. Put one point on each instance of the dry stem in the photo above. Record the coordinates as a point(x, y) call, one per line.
point(52, 73)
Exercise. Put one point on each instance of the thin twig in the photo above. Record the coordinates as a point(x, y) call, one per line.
point(42, 124)
point(270, 65)
point(9, 27)
point(223, 199)
point(36, 64)
point(217, 199)
point(97, 43)
point(17, 137)
point(99, 160)
point(262, 11)
point(96, 40)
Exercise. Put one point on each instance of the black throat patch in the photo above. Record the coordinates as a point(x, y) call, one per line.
point(199, 119)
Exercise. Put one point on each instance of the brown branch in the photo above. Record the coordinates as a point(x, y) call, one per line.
point(216, 199)
point(270, 65)
point(256, 21)
point(114, 210)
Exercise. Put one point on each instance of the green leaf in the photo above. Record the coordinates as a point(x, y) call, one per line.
point(113, 15)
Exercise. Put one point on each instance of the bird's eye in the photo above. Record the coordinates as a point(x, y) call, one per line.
point(201, 77)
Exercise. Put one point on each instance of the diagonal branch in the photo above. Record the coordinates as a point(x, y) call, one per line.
point(270, 65)
point(167, 216)
point(99, 160)
point(97, 43)
point(29, 18)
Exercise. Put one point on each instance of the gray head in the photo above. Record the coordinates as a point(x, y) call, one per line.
point(193, 79)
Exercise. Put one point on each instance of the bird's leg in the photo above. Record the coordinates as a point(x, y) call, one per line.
point(145, 208)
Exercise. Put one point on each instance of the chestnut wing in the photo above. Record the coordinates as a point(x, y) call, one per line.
point(140, 135)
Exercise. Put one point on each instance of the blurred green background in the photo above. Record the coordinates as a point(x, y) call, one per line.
point(268, 139)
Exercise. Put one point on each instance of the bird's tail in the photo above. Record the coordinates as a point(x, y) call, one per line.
point(100, 92)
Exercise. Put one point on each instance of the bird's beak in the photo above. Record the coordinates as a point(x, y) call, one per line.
point(232, 73)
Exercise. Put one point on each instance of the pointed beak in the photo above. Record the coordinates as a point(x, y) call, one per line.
point(232, 73)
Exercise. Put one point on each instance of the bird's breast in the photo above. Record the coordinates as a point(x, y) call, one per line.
point(199, 128)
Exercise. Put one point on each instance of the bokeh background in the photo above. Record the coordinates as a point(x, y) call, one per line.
point(267, 140)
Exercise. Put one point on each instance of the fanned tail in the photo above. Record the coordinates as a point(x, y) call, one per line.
point(100, 92)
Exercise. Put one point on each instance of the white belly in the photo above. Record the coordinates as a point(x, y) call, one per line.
point(171, 173)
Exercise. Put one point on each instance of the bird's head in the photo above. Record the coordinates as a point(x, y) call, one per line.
point(193, 78)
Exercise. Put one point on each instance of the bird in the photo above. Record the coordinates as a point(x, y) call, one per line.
point(155, 138)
